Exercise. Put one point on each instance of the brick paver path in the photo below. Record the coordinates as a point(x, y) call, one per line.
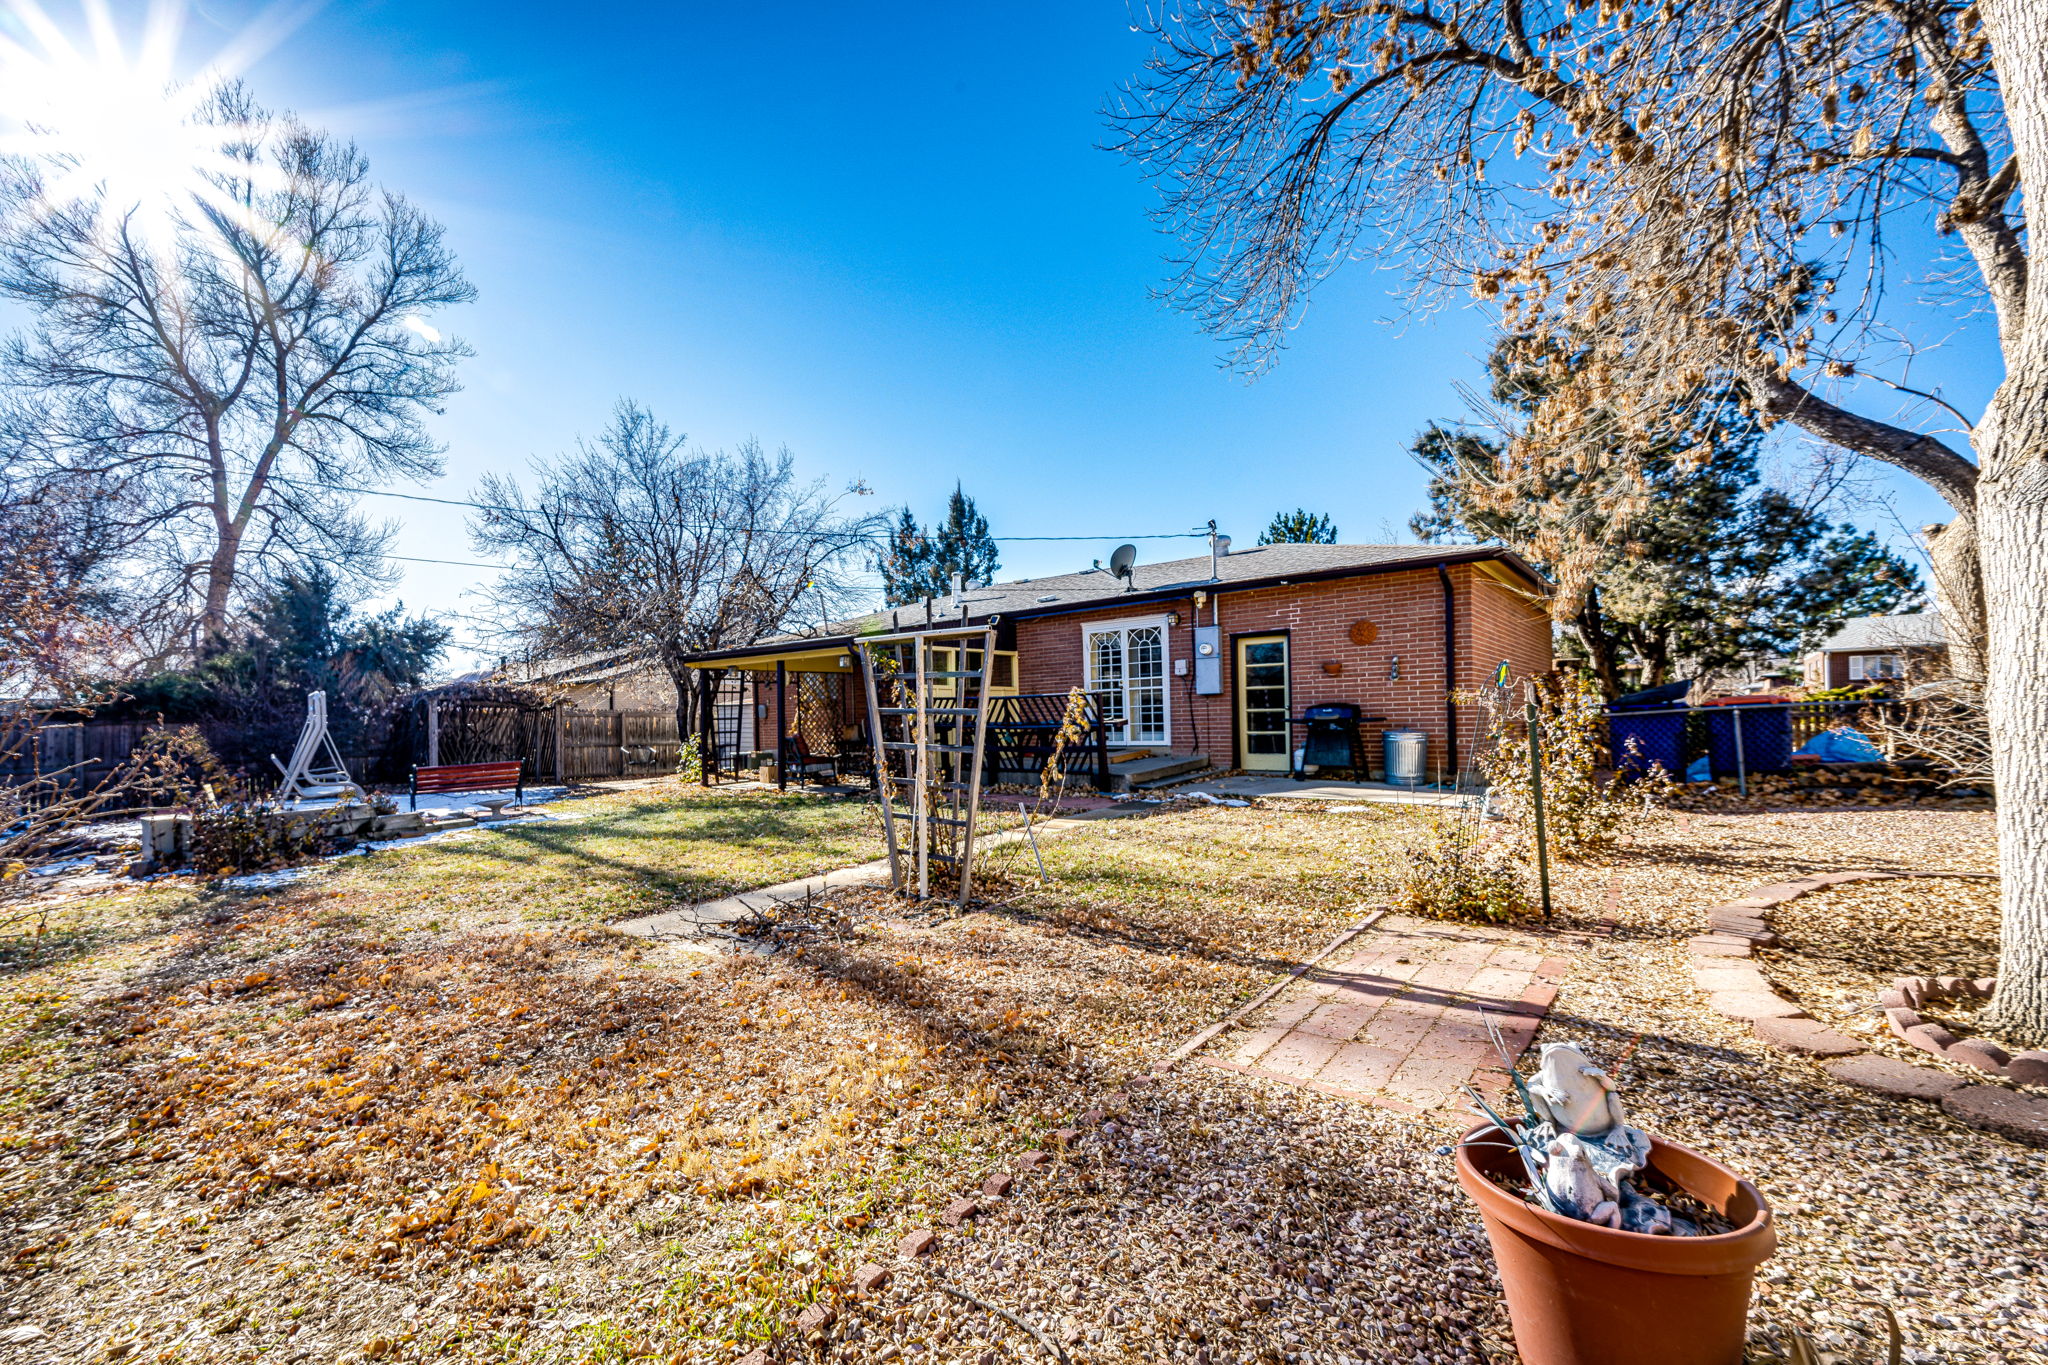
point(1394, 1018)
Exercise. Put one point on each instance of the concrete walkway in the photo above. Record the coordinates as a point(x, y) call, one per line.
point(694, 921)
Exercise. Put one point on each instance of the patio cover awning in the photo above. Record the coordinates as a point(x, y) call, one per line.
point(798, 656)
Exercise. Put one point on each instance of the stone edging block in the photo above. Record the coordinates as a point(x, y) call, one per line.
point(1739, 990)
point(1903, 1002)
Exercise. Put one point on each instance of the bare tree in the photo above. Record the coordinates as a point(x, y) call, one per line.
point(636, 540)
point(1710, 190)
point(55, 638)
point(225, 378)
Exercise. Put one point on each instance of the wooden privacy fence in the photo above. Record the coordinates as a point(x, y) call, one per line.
point(615, 744)
point(80, 755)
point(559, 743)
point(64, 758)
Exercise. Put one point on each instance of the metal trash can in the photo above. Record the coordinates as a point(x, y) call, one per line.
point(1332, 740)
point(1407, 755)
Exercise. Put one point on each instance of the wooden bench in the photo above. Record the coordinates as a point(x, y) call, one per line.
point(470, 777)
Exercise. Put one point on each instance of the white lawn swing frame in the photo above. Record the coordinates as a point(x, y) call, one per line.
point(304, 778)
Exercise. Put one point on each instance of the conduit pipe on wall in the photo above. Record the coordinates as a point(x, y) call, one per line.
point(1443, 573)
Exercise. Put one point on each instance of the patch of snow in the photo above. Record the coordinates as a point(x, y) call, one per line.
point(263, 881)
point(535, 796)
point(64, 867)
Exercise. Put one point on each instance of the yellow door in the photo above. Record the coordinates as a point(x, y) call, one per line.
point(1263, 735)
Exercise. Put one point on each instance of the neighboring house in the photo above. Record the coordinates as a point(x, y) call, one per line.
point(602, 680)
point(1394, 629)
point(1873, 649)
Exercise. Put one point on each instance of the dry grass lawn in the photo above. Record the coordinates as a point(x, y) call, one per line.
point(425, 1105)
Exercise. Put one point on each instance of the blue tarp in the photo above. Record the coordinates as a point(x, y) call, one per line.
point(1841, 746)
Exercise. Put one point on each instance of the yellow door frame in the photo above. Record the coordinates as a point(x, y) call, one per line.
point(1249, 761)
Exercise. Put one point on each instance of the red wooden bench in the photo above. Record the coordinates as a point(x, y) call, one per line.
point(470, 777)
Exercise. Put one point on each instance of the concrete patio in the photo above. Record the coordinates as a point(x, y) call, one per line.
point(1316, 789)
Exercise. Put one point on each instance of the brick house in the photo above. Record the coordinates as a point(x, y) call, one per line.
point(1870, 650)
point(1213, 657)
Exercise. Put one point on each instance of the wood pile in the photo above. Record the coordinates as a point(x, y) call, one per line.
point(1836, 784)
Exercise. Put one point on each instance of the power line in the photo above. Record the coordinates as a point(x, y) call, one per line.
point(458, 563)
point(592, 516)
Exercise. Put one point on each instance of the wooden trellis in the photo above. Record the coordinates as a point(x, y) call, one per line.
point(927, 697)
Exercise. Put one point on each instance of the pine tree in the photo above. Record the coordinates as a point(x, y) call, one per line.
point(1704, 565)
point(1299, 527)
point(915, 564)
point(904, 560)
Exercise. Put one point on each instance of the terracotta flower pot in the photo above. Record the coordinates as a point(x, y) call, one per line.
point(1581, 1294)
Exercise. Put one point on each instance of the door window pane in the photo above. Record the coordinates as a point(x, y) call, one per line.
point(1106, 678)
point(1146, 648)
point(1263, 702)
point(1126, 668)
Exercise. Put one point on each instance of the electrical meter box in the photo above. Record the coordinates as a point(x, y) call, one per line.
point(1208, 660)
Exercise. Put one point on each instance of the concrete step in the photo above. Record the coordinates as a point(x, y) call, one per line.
point(1156, 771)
point(1199, 775)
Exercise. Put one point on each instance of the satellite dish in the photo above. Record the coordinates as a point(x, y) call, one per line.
point(1121, 559)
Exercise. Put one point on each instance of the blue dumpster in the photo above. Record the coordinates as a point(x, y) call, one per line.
point(1642, 740)
point(1766, 734)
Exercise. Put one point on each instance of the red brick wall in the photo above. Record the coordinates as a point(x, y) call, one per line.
point(1495, 622)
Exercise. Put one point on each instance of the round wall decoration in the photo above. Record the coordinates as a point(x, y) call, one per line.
point(1364, 632)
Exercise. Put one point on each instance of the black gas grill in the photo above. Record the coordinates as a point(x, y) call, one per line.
point(1331, 740)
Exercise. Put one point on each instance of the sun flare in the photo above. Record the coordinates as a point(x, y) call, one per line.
point(110, 121)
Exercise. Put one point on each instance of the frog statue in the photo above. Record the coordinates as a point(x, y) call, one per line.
point(1589, 1148)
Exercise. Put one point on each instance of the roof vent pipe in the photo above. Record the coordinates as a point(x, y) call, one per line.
point(1219, 546)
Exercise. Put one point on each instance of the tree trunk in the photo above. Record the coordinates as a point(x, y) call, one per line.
point(686, 681)
point(2013, 510)
point(1601, 650)
point(1952, 554)
point(220, 585)
point(2012, 529)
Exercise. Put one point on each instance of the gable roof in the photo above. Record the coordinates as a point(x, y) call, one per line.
point(1252, 567)
point(1911, 630)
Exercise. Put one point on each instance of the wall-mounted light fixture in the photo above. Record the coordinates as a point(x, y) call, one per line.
point(1173, 618)
point(1201, 599)
point(1394, 667)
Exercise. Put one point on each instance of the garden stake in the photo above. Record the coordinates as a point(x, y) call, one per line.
point(1536, 795)
point(1023, 811)
point(1741, 767)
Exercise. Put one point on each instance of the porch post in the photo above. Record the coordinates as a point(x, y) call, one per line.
point(1101, 748)
point(781, 725)
point(707, 702)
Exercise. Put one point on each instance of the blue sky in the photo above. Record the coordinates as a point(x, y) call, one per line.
point(882, 236)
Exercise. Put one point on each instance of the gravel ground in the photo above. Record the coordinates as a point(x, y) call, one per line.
point(1234, 1219)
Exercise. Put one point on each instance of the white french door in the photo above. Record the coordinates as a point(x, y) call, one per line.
point(1126, 667)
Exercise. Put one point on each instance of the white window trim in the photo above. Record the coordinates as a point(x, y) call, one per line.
point(1858, 659)
point(1127, 624)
